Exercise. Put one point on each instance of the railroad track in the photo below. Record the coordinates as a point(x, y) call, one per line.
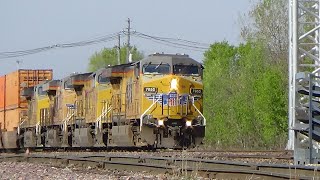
point(287, 156)
point(271, 157)
point(238, 154)
point(189, 166)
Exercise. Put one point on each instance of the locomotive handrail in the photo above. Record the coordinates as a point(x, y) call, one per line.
point(38, 128)
point(66, 120)
point(145, 112)
point(20, 125)
point(204, 119)
point(103, 114)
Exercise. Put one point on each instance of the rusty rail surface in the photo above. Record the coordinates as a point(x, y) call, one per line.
point(153, 164)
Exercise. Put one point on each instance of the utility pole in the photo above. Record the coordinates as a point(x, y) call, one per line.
point(128, 40)
point(119, 50)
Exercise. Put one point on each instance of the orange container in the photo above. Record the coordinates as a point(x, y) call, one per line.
point(23, 78)
point(2, 120)
point(2, 91)
point(12, 119)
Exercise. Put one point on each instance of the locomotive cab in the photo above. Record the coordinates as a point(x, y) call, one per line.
point(40, 108)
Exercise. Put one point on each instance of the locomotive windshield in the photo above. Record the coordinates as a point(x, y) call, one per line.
point(103, 79)
point(156, 68)
point(186, 69)
point(41, 92)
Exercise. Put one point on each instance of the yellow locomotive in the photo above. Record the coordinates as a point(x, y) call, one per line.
point(156, 102)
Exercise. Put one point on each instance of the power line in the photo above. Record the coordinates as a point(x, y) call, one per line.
point(106, 38)
point(172, 42)
point(175, 42)
point(171, 45)
point(177, 39)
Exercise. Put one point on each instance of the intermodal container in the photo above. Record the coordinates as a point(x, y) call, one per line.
point(18, 80)
point(2, 92)
point(2, 120)
point(12, 119)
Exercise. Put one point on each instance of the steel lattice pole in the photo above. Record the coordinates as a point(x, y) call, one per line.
point(303, 57)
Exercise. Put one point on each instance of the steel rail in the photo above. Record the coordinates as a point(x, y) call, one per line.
point(250, 154)
point(201, 167)
point(240, 151)
point(203, 154)
point(240, 156)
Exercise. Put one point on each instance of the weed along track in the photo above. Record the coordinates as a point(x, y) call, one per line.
point(157, 164)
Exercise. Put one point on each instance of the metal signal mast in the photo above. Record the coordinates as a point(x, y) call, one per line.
point(304, 80)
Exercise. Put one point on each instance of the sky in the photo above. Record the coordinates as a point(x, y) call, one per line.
point(37, 23)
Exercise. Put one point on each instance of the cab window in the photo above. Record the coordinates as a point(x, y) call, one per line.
point(103, 80)
point(156, 69)
point(67, 85)
point(41, 92)
point(186, 69)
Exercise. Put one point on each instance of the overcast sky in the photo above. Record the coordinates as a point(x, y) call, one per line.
point(37, 23)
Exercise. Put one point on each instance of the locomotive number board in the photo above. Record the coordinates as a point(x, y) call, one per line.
point(196, 91)
point(150, 89)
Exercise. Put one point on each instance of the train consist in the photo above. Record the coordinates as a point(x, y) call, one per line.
point(156, 102)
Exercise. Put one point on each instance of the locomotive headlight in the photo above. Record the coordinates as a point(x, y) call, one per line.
point(188, 123)
point(174, 84)
point(160, 122)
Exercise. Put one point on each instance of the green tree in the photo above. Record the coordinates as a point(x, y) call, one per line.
point(108, 56)
point(268, 23)
point(245, 95)
point(217, 94)
point(248, 87)
point(269, 26)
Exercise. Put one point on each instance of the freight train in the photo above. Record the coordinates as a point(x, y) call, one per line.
point(155, 102)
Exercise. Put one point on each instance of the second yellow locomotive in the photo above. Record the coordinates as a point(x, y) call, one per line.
point(156, 102)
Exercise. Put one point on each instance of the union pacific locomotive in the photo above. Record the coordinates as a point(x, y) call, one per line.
point(156, 102)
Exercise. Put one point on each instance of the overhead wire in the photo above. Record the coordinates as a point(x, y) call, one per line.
point(91, 41)
point(175, 42)
point(177, 39)
point(172, 42)
point(168, 44)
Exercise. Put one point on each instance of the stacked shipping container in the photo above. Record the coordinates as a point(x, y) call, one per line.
point(2, 100)
point(11, 103)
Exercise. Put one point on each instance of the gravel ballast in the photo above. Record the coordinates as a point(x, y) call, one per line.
point(26, 171)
